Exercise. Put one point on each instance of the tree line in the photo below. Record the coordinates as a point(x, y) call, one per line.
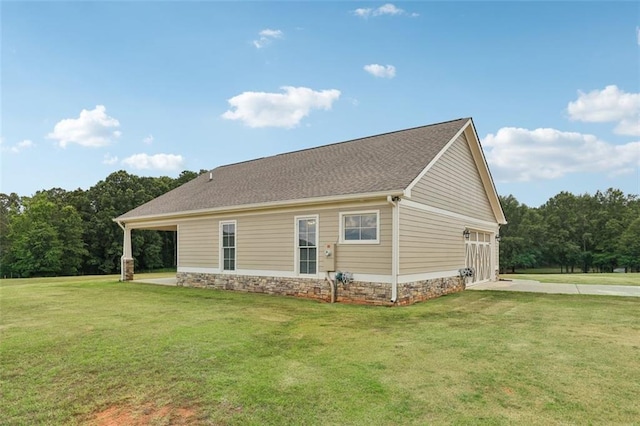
point(59, 232)
point(588, 233)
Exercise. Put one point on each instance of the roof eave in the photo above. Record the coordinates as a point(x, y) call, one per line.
point(264, 206)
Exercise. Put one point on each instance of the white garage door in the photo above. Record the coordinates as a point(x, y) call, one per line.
point(478, 256)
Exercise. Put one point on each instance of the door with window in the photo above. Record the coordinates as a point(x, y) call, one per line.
point(478, 255)
point(307, 245)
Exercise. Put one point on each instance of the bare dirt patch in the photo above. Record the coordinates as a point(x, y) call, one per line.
point(145, 415)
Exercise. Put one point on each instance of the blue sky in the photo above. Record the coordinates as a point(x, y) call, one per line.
point(154, 88)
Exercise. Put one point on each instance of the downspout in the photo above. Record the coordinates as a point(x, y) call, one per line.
point(332, 284)
point(395, 239)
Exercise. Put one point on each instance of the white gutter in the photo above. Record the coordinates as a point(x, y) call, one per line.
point(395, 243)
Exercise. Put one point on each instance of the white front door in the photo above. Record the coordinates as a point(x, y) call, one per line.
point(478, 256)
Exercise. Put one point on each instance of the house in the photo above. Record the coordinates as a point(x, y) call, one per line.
point(387, 219)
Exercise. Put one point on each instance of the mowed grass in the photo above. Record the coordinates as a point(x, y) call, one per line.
point(74, 349)
point(592, 278)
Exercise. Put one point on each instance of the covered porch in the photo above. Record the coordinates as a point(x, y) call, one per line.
point(127, 263)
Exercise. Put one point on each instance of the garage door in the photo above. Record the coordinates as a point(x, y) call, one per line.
point(478, 256)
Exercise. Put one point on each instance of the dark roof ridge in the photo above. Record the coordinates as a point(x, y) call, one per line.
point(339, 143)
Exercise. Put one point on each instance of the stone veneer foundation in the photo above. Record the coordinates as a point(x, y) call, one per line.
point(127, 264)
point(357, 292)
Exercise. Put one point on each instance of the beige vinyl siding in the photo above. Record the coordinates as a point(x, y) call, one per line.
point(429, 242)
point(453, 183)
point(358, 258)
point(265, 242)
point(198, 243)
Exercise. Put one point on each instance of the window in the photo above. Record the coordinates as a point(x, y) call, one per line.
point(228, 245)
point(359, 227)
point(307, 242)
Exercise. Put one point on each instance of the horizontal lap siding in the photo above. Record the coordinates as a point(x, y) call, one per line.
point(359, 258)
point(198, 243)
point(453, 183)
point(429, 242)
point(265, 242)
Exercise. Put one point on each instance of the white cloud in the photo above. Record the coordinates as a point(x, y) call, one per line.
point(260, 109)
point(109, 159)
point(608, 105)
point(20, 146)
point(638, 35)
point(92, 128)
point(164, 162)
point(271, 33)
point(148, 140)
point(381, 71)
point(522, 155)
point(386, 9)
point(266, 37)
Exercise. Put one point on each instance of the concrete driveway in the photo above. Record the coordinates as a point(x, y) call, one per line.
point(552, 288)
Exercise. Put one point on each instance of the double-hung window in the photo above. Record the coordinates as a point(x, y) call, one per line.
point(307, 244)
point(360, 227)
point(228, 245)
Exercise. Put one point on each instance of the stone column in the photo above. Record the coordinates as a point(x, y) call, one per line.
point(127, 269)
point(126, 264)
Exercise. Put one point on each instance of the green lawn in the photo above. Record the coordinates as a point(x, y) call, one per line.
point(593, 278)
point(94, 351)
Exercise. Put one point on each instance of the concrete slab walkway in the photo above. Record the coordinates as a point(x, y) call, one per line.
point(160, 281)
point(553, 288)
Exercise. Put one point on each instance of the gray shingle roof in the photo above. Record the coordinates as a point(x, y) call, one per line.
point(387, 162)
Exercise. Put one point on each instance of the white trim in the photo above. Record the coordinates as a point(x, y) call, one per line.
point(271, 274)
point(164, 224)
point(494, 199)
point(341, 216)
point(395, 247)
point(419, 206)
point(435, 159)
point(373, 278)
point(221, 224)
point(298, 203)
point(177, 246)
point(198, 270)
point(494, 247)
point(296, 241)
point(402, 279)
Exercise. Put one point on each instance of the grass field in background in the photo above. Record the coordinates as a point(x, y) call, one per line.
point(95, 351)
point(543, 270)
point(593, 278)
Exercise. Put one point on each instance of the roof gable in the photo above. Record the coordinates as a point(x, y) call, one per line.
point(387, 162)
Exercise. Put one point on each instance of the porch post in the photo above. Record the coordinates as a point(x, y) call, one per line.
point(126, 266)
